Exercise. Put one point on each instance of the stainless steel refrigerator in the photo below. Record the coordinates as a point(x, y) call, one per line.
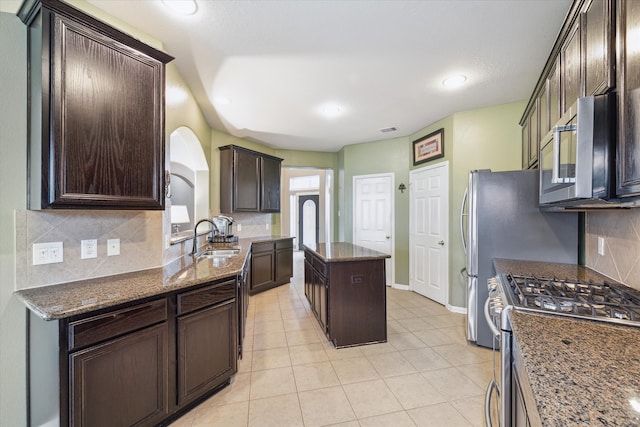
point(503, 221)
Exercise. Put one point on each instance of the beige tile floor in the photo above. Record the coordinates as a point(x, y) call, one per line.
point(425, 375)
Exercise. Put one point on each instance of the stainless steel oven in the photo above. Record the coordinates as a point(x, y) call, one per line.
point(577, 157)
point(604, 302)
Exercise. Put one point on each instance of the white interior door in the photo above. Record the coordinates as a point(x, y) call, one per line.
point(429, 232)
point(373, 216)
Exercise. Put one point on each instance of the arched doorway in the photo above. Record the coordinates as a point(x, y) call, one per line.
point(308, 220)
point(189, 174)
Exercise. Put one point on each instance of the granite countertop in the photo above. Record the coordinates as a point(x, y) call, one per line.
point(550, 270)
point(69, 299)
point(581, 372)
point(344, 251)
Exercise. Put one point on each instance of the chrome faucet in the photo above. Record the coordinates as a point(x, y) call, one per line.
point(195, 234)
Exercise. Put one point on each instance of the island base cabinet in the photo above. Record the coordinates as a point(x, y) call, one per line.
point(348, 298)
point(207, 350)
point(122, 382)
point(357, 303)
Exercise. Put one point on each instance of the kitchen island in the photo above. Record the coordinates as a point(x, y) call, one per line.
point(577, 372)
point(345, 285)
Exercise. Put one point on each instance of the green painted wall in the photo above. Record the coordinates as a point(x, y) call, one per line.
point(314, 159)
point(386, 156)
point(13, 196)
point(487, 138)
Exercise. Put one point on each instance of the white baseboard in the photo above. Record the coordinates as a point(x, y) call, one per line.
point(401, 287)
point(454, 309)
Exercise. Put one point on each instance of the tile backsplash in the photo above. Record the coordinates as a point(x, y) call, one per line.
point(252, 224)
point(140, 234)
point(141, 242)
point(620, 230)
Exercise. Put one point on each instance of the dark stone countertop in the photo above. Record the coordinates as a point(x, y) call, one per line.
point(344, 252)
point(581, 372)
point(64, 300)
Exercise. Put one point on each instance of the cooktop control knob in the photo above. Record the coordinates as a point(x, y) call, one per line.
point(492, 283)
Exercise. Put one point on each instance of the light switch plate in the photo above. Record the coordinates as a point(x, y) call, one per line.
point(113, 247)
point(89, 248)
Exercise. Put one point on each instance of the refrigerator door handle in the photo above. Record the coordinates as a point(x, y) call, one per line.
point(463, 214)
point(472, 314)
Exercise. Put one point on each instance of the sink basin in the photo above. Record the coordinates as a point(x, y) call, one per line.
point(218, 253)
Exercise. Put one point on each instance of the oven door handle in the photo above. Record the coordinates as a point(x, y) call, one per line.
point(493, 386)
point(488, 317)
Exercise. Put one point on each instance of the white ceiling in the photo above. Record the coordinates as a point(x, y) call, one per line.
point(383, 62)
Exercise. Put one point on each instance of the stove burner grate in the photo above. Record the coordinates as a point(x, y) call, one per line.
point(601, 301)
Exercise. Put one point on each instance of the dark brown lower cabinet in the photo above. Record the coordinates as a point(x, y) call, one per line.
point(142, 364)
point(284, 261)
point(316, 288)
point(207, 351)
point(271, 264)
point(262, 266)
point(122, 382)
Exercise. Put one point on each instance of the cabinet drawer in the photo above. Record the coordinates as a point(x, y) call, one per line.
point(284, 244)
point(319, 265)
point(109, 325)
point(203, 297)
point(262, 247)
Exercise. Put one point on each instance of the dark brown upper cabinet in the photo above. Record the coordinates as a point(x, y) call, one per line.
point(581, 63)
point(598, 47)
point(249, 181)
point(270, 178)
point(628, 60)
point(96, 112)
point(570, 62)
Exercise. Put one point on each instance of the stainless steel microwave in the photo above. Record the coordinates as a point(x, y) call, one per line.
point(577, 157)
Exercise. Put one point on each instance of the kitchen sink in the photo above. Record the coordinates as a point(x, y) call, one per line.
point(219, 253)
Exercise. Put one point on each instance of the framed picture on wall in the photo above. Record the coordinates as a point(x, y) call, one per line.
point(428, 147)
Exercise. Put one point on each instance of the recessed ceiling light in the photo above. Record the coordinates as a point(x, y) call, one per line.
point(454, 81)
point(184, 7)
point(331, 110)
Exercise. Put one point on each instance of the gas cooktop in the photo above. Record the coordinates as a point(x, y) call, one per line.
point(598, 301)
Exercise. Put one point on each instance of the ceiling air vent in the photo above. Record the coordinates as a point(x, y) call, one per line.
point(389, 129)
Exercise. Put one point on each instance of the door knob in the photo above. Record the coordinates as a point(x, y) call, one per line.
point(388, 237)
point(441, 242)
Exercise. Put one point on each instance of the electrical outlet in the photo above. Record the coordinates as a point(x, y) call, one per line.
point(267, 225)
point(239, 227)
point(113, 247)
point(47, 253)
point(601, 246)
point(89, 248)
